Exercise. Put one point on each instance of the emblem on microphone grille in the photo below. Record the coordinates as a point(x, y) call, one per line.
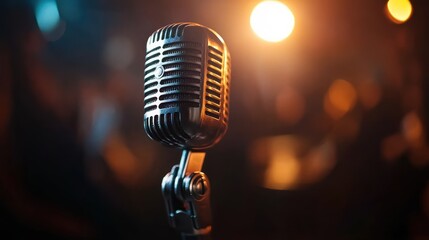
point(159, 71)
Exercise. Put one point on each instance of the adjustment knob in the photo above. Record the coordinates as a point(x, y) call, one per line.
point(196, 186)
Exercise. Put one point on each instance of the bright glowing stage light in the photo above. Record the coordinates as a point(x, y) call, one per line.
point(272, 21)
point(399, 11)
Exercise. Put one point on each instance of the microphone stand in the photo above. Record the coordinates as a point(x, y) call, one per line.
point(186, 192)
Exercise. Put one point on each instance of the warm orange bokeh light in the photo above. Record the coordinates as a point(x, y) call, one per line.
point(399, 11)
point(282, 172)
point(340, 99)
point(288, 162)
point(412, 129)
point(272, 21)
point(122, 161)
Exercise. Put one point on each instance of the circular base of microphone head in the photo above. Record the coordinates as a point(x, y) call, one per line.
point(186, 86)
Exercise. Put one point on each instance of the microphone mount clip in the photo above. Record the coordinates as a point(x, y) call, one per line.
point(186, 193)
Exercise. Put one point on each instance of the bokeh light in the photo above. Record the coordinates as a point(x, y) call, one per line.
point(399, 11)
point(340, 99)
point(283, 169)
point(272, 21)
point(122, 161)
point(47, 15)
point(49, 19)
point(412, 129)
point(289, 162)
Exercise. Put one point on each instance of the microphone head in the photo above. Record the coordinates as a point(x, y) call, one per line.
point(186, 86)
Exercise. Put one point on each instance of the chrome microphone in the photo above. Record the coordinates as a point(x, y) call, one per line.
point(186, 86)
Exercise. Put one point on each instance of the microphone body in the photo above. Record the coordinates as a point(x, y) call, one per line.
point(186, 86)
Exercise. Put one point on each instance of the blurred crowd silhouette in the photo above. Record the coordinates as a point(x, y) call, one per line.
point(328, 134)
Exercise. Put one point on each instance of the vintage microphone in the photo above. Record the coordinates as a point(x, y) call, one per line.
point(186, 87)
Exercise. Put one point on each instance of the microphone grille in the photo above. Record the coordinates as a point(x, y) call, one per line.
point(169, 31)
point(166, 128)
point(215, 76)
point(172, 80)
point(172, 72)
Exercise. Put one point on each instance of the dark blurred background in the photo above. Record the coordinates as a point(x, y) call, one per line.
point(328, 133)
